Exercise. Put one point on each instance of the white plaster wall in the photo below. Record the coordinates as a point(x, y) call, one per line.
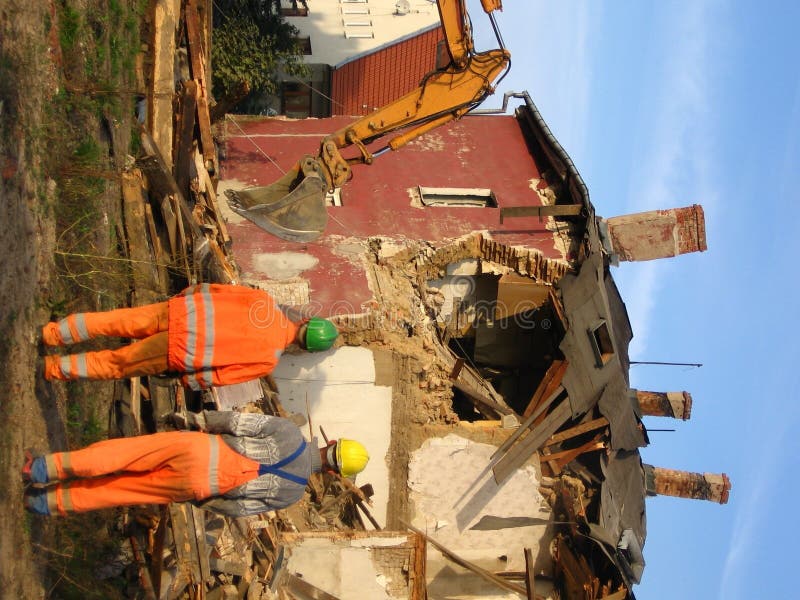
point(451, 489)
point(343, 569)
point(343, 398)
point(325, 25)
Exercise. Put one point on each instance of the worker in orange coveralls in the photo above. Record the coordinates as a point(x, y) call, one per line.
point(238, 464)
point(211, 334)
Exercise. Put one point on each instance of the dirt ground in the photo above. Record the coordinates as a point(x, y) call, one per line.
point(43, 127)
point(31, 416)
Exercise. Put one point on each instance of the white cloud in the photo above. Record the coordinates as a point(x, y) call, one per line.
point(675, 169)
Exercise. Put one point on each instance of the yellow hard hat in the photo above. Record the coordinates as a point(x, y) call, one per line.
point(351, 457)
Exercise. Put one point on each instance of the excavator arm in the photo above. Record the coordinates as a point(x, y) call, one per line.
point(293, 208)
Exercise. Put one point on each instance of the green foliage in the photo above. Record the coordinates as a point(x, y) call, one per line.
point(252, 43)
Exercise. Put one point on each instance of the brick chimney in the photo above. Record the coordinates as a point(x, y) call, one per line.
point(658, 233)
point(682, 484)
point(677, 405)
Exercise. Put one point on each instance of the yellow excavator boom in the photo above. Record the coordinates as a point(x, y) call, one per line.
point(293, 208)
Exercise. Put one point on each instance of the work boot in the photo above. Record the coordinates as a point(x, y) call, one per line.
point(35, 501)
point(34, 471)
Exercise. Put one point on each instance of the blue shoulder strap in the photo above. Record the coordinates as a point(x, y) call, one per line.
point(275, 469)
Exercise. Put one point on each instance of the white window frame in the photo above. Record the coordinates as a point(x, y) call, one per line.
point(358, 34)
point(457, 197)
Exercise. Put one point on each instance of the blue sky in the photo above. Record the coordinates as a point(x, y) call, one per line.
point(668, 104)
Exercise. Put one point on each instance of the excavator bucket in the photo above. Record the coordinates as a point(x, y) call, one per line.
point(292, 208)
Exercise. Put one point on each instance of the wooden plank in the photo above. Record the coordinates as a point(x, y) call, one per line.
point(164, 185)
point(558, 308)
point(184, 140)
point(157, 556)
point(183, 243)
point(368, 514)
point(199, 523)
point(530, 586)
point(552, 379)
point(487, 575)
point(134, 197)
point(577, 430)
point(160, 110)
point(515, 457)
point(158, 253)
point(144, 573)
point(197, 61)
point(207, 186)
point(527, 423)
point(565, 456)
point(417, 583)
point(457, 368)
point(185, 544)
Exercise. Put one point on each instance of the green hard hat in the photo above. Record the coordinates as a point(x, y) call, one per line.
point(320, 334)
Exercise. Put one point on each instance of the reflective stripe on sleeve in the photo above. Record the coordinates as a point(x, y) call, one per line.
point(208, 351)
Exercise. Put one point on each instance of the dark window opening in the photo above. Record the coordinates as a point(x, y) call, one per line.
point(296, 100)
point(304, 44)
point(292, 8)
point(603, 347)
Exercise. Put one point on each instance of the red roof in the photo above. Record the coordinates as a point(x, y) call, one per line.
point(369, 82)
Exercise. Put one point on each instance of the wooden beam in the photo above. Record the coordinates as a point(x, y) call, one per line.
point(551, 380)
point(206, 185)
point(166, 16)
point(456, 369)
point(572, 453)
point(197, 61)
point(577, 430)
point(184, 140)
point(515, 457)
point(188, 566)
point(530, 586)
point(527, 423)
point(487, 575)
point(163, 183)
point(417, 582)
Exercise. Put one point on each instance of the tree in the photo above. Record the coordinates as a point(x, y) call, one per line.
point(252, 44)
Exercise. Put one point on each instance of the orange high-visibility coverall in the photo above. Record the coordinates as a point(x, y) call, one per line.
point(213, 334)
point(160, 468)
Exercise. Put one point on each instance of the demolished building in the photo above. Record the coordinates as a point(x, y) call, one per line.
point(484, 357)
point(473, 269)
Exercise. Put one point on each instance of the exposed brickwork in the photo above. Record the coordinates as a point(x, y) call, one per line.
point(677, 405)
point(683, 484)
point(658, 233)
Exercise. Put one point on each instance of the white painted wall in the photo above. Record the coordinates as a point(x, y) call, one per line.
point(451, 489)
point(342, 568)
point(327, 28)
point(343, 398)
